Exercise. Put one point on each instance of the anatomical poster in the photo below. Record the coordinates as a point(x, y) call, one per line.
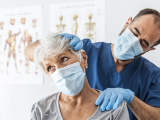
point(83, 19)
point(19, 27)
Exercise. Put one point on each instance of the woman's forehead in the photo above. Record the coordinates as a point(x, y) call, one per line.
point(57, 57)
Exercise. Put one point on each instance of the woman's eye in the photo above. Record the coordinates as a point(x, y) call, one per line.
point(64, 59)
point(50, 68)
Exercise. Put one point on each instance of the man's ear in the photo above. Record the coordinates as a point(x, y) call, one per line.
point(128, 22)
point(151, 49)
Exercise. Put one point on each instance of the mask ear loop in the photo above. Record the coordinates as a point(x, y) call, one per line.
point(52, 81)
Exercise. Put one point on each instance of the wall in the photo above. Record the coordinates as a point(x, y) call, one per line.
point(16, 100)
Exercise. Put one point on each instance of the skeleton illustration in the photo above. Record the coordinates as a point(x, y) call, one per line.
point(12, 21)
point(26, 39)
point(23, 20)
point(61, 26)
point(75, 25)
point(11, 41)
point(34, 22)
point(1, 25)
point(90, 29)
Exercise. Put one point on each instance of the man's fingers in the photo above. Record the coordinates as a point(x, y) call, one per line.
point(118, 102)
point(74, 41)
point(62, 35)
point(112, 101)
point(68, 37)
point(105, 100)
point(79, 45)
point(100, 98)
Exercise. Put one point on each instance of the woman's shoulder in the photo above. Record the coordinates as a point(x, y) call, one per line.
point(44, 106)
point(121, 113)
point(47, 100)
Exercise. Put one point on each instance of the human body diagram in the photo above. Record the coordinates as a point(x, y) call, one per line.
point(26, 39)
point(11, 42)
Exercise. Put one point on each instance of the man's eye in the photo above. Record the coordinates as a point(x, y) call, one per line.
point(142, 44)
point(64, 59)
point(135, 34)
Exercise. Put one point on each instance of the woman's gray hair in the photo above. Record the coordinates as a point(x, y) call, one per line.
point(51, 46)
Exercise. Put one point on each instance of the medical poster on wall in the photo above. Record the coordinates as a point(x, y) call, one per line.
point(83, 19)
point(19, 27)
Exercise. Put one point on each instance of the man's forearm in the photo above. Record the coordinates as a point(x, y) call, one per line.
point(29, 50)
point(144, 111)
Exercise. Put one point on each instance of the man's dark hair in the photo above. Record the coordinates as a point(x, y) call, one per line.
point(156, 16)
point(149, 11)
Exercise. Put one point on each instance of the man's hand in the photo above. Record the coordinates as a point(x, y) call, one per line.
point(113, 97)
point(75, 41)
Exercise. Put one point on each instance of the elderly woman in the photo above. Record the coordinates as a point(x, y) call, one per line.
point(76, 99)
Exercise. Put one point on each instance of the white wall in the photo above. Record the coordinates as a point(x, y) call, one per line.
point(118, 12)
point(16, 100)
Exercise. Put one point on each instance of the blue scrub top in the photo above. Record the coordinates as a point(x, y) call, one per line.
point(140, 76)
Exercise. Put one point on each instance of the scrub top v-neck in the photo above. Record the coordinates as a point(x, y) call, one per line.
point(141, 76)
point(118, 77)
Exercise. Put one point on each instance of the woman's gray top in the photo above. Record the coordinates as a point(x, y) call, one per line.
point(48, 109)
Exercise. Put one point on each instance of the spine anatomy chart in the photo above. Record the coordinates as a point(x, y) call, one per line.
point(60, 26)
point(90, 29)
point(83, 19)
point(75, 25)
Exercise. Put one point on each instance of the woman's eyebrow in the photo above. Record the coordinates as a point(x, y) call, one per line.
point(62, 54)
point(46, 64)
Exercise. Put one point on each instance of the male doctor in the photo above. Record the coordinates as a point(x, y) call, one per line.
point(120, 71)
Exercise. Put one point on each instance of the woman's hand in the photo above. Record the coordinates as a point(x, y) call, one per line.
point(113, 97)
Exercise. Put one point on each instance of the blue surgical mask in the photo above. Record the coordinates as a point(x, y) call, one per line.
point(127, 46)
point(70, 79)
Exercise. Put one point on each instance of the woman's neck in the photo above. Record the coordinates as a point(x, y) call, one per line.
point(87, 94)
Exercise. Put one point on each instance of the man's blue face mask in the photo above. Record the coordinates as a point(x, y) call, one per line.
point(127, 46)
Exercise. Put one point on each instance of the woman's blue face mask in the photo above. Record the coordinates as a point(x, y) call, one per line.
point(70, 79)
point(127, 46)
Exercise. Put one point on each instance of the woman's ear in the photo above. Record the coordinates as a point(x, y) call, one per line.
point(128, 22)
point(84, 59)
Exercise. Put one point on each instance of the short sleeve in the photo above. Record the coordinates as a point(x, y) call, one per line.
point(35, 115)
point(122, 112)
point(153, 95)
